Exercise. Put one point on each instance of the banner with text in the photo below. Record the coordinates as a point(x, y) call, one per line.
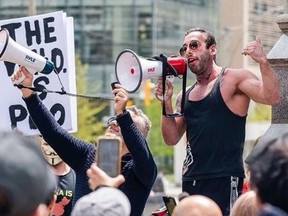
point(50, 35)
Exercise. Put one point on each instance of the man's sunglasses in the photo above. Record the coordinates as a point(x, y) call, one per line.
point(111, 121)
point(193, 45)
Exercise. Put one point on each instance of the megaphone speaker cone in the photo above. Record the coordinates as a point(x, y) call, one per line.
point(131, 70)
point(128, 70)
point(11, 51)
point(4, 36)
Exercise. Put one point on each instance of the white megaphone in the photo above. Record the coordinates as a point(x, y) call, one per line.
point(11, 51)
point(131, 70)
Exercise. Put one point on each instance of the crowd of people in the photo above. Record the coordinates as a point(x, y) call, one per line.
point(213, 120)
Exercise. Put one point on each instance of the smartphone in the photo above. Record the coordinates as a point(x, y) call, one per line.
point(170, 204)
point(108, 155)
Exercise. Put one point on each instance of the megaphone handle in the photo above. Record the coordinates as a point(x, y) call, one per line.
point(170, 78)
point(182, 99)
point(18, 81)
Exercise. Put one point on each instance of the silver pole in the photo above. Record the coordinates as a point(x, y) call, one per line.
point(32, 8)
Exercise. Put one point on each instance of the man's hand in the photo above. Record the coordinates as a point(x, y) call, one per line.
point(158, 90)
point(121, 98)
point(255, 50)
point(22, 71)
point(98, 177)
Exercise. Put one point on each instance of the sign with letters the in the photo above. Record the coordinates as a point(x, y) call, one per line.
point(50, 35)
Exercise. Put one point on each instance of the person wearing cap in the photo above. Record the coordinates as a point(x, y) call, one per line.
point(106, 199)
point(66, 177)
point(130, 124)
point(27, 184)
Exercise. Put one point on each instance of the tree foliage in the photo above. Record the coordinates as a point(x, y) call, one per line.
point(155, 140)
point(259, 112)
point(162, 153)
point(89, 112)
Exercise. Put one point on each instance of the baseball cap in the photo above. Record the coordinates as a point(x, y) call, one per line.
point(106, 201)
point(25, 178)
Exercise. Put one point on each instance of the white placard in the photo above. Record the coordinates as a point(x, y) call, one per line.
point(51, 35)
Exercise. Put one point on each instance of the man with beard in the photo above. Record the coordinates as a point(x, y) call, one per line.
point(214, 116)
point(66, 180)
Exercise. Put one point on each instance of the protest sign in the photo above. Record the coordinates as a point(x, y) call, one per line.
point(50, 35)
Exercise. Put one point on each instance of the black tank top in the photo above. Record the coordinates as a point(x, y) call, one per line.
point(215, 137)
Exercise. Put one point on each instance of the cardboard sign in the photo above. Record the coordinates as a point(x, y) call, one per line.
point(50, 35)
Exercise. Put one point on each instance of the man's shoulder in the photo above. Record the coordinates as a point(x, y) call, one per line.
point(234, 76)
point(235, 71)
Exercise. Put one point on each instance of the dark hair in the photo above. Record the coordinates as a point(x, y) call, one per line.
point(210, 38)
point(269, 173)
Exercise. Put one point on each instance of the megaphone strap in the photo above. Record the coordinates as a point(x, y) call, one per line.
point(62, 92)
point(169, 70)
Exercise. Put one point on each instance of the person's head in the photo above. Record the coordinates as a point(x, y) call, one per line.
point(247, 168)
point(139, 118)
point(197, 205)
point(26, 182)
point(269, 173)
point(245, 205)
point(199, 45)
point(269, 210)
point(108, 201)
point(48, 152)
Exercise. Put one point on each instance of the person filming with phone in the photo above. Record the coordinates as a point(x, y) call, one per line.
point(130, 124)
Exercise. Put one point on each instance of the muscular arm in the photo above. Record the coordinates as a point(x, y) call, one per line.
point(172, 128)
point(266, 90)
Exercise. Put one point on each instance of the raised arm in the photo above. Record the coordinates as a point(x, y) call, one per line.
point(266, 90)
point(172, 128)
point(144, 165)
point(67, 146)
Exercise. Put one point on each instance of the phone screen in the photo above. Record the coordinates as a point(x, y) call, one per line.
point(108, 155)
point(170, 204)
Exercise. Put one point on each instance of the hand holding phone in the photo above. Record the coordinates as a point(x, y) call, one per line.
point(98, 177)
point(108, 155)
point(170, 204)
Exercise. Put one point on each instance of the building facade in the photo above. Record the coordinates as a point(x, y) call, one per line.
point(103, 28)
